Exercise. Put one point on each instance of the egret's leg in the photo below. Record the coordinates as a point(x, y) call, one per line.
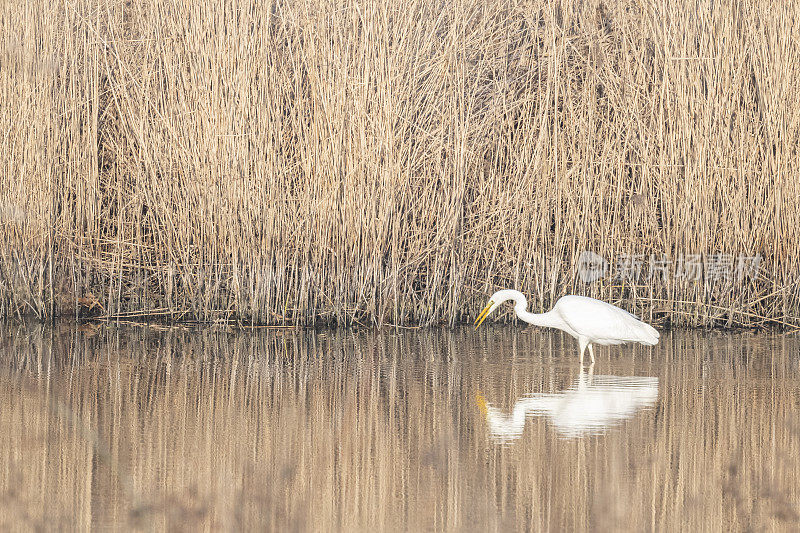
point(591, 352)
point(583, 344)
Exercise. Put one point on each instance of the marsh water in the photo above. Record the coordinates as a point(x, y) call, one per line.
point(135, 427)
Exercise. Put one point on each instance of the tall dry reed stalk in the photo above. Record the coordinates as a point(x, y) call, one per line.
point(307, 162)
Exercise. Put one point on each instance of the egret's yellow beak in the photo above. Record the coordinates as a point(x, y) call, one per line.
point(484, 314)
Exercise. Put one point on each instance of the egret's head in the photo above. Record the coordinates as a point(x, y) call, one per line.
point(497, 299)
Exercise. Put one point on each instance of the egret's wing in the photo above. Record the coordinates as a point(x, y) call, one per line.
point(603, 322)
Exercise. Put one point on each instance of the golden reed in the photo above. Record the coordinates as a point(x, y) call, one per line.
point(381, 162)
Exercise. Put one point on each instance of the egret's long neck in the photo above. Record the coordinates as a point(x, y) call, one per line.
point(546, 320)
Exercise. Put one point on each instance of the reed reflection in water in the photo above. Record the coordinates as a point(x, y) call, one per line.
point(341, 430)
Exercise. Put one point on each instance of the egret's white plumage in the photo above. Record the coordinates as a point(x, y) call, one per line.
point(590, 321)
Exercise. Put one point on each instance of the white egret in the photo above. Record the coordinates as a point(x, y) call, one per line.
point(590, 406)
point(590, 321)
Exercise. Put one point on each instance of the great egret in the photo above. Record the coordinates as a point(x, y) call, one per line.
point(589, 407)
point(590, 321)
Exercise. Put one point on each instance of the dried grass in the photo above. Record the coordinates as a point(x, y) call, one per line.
point(297, 163)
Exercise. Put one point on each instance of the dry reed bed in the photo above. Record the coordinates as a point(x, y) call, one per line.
point(296, 162)
point(364, 431)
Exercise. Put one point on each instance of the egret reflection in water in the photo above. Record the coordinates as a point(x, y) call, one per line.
point(589, 407)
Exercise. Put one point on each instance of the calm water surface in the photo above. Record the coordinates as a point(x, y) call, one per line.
point(499, 429)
